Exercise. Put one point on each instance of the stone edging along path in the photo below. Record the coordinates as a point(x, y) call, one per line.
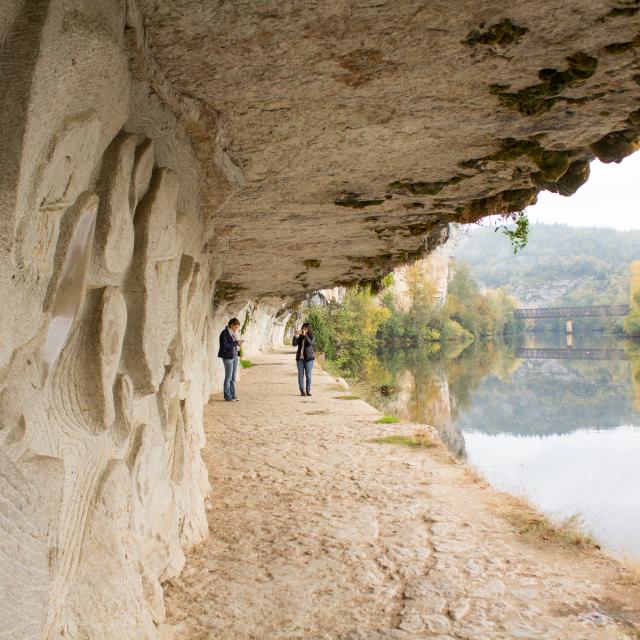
point(316, 531)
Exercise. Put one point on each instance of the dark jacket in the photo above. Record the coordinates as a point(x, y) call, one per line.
point(307, 343)
point(228, 345)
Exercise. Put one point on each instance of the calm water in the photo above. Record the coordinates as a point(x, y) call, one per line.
point(565, 434)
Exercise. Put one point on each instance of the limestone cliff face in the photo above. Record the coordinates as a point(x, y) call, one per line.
point(429, 274)
point(166, 165)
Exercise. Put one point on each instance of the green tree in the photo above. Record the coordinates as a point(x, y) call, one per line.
point(346, 332)
point(632, 321)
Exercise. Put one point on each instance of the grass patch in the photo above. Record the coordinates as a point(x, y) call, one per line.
point(347, 397)
point(246, 364)
point(419, 440)
point(571, 533)
point(388, 420)
point(536, 526)
point(630, 574)
point(335, 387)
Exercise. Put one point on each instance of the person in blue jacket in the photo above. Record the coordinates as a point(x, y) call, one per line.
point(229, 351)
point(305, 341)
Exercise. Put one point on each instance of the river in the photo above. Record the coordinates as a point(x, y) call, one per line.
point(562, 433)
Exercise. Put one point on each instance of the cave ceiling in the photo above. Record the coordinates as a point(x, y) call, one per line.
point(338, 139)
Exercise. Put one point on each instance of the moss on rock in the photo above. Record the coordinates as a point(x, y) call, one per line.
point(539, 98)
point(355, 203)
point(419, 229)
point(501, 203)
point(626, 12)
point(501, 34)
point(575, 176)
point(618, 48)
point(616, 145)
point(419, 188)
point(226, 291)
point(552, 164)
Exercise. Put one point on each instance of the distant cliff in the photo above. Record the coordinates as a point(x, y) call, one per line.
point(431, 272)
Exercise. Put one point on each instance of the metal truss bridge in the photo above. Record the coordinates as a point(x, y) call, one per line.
point(570, 313)
point(572, 354)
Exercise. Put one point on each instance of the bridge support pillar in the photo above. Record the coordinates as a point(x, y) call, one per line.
point(569, 326)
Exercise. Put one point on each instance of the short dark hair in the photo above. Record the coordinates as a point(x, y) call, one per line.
point(307, 325)
point(233, 321)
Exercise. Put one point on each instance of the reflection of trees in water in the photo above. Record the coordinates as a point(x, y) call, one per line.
point(633, 352)
point(483, 387)
point(424, 398)
point(434, 384)
point(545, 397)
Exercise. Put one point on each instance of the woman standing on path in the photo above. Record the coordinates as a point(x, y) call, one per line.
point(230, 344)
point(305, 341)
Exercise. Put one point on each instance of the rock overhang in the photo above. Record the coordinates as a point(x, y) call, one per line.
point(354, 133)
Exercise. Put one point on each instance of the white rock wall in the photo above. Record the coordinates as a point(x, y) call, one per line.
point(431, 272)
point(108, 336)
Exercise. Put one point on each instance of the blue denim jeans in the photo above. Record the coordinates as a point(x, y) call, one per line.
point(304, 369)
point(230, 375)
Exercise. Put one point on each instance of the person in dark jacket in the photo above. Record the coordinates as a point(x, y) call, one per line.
point(305, 341)
point(230, 344)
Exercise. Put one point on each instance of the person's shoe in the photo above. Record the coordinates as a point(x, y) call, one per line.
point(302, 393)
point(235, 400)
point(308, 393)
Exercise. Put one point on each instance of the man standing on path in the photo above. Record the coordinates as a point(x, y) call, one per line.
point(229, 350)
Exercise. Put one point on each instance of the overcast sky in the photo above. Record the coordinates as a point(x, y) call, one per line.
point(610, 198)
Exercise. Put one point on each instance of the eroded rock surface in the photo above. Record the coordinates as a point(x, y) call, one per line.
point(166, 165)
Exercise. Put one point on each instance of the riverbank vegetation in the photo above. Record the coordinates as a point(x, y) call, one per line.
point(419, 440)
point(534, 526)
point(351, 331)
point(632, 321)
point(467, 314)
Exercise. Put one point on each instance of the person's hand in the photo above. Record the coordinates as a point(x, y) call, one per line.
point(296, 333)
point(240, 342)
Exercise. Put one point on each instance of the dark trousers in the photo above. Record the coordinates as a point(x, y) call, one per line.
point(230, 375)
point(304, 370)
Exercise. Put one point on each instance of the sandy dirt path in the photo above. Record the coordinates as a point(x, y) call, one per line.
point(318, 532)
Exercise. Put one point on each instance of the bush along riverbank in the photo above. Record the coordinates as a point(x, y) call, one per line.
point(632, 321)
point(350, 332)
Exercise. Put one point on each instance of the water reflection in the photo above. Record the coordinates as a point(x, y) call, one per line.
point(564, 433)
point(594, 474)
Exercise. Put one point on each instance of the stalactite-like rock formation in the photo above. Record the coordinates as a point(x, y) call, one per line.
point(166, 164)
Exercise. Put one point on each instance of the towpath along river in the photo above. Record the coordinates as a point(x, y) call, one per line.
point(318, 532)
